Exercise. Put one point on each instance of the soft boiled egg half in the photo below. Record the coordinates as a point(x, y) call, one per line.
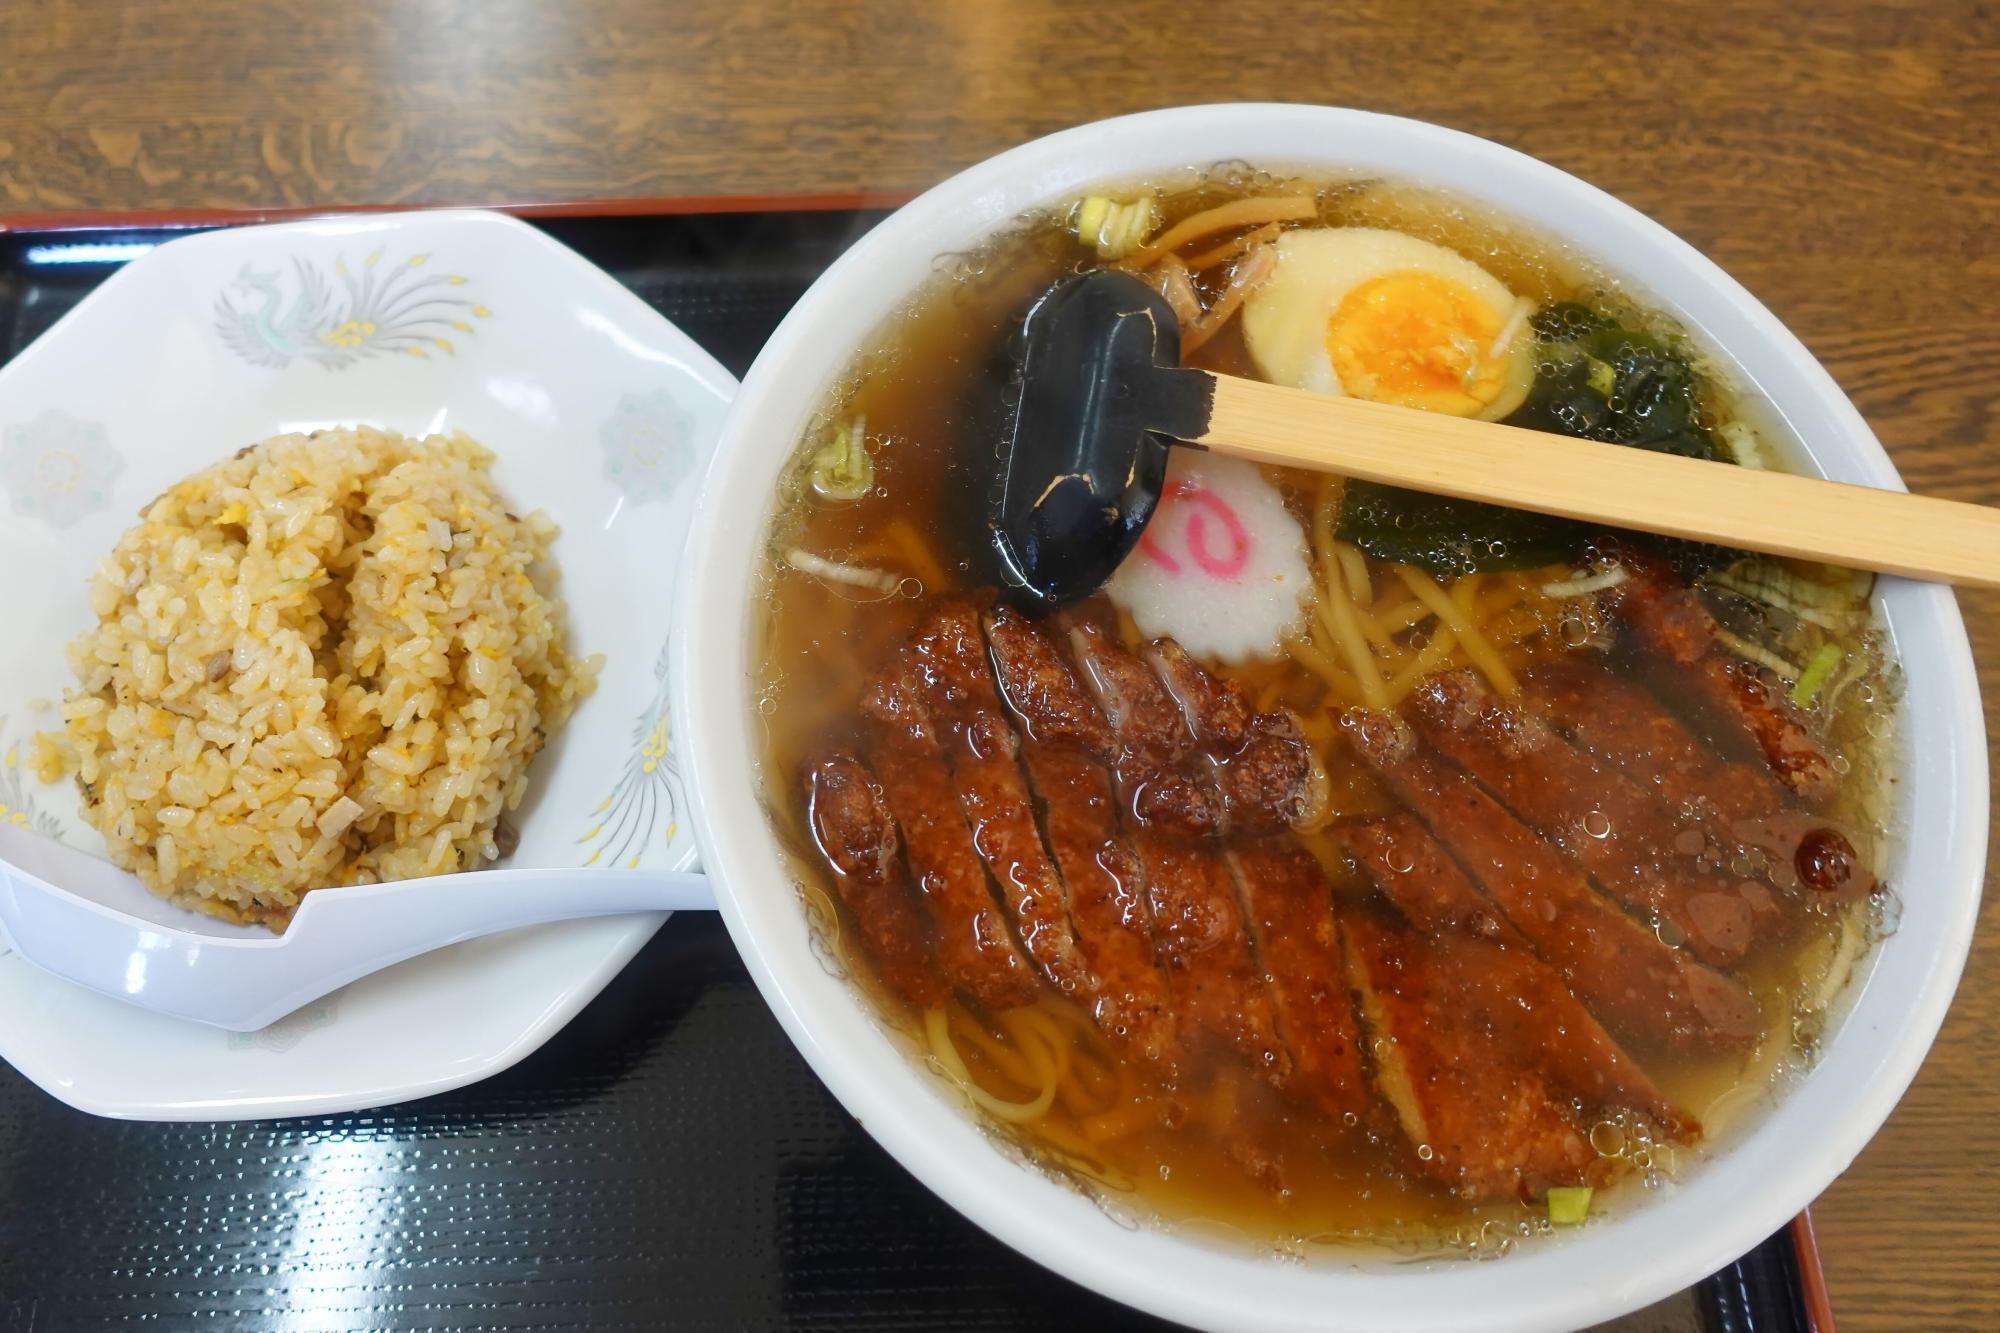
point(1381, 315)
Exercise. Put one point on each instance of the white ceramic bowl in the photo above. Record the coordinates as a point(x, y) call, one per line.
point(1746, 1188)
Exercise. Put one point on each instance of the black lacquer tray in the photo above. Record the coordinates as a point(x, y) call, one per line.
point(667, 1161)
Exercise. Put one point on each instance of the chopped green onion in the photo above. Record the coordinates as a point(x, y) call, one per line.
point(1114, 229)
point(1090, 216)
point(1817, 673)
point(1569, 1204)
point(1602, 378)
point(841, 468)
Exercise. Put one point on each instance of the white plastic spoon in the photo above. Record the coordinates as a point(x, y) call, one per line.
point(57, 908)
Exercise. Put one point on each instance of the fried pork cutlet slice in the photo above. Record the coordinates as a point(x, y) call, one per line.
point(973, 940)
point(1626, 726)
point(1198, 926)
point(1267, 781)
point(1646, 991)
point(1065, 745)
point(1738, 806)
point(1264, 772)
point(1536, 1020)
point(1667, 620)
point(1292, 923)
point(948, 662)
point(1489, 1126)
point(850, 821)
point(1625, 837)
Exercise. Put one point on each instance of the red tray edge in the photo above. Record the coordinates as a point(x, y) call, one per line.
point(643, 206)
point(1812, 1274)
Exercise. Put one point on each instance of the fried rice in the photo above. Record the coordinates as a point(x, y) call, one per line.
point(327, 660)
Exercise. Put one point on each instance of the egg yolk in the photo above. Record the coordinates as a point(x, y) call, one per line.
point(1416, 340)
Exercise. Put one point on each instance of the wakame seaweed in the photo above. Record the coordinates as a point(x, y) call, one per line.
point(1594, 379)
point(1597, 380)
point(1450, 537)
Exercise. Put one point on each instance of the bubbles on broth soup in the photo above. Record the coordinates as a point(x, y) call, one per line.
point(1491, 1239)
point(959, 265)
point(1236, 176)
point(1888, 913)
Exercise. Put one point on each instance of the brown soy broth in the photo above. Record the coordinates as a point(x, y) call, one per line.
point(1337, 1182)
point(820, 641)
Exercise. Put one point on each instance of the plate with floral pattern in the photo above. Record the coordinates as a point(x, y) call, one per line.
point(599, 412)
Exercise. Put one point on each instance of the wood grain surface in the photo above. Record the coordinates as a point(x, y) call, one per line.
point(1838, 159)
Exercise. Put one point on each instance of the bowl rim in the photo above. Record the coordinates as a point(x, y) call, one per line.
point(1794, 1149)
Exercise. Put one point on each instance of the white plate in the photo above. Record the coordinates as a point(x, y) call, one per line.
point(601, 413)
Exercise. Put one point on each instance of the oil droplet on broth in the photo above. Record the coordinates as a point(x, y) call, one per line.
point(1597, 824)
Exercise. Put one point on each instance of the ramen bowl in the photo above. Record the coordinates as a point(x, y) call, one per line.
point(1739, 1188)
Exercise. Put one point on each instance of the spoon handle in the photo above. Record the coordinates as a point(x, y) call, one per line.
point(242, 982)
point(1775, 512)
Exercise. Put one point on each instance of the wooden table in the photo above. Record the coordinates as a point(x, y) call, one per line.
point(1838, 160)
